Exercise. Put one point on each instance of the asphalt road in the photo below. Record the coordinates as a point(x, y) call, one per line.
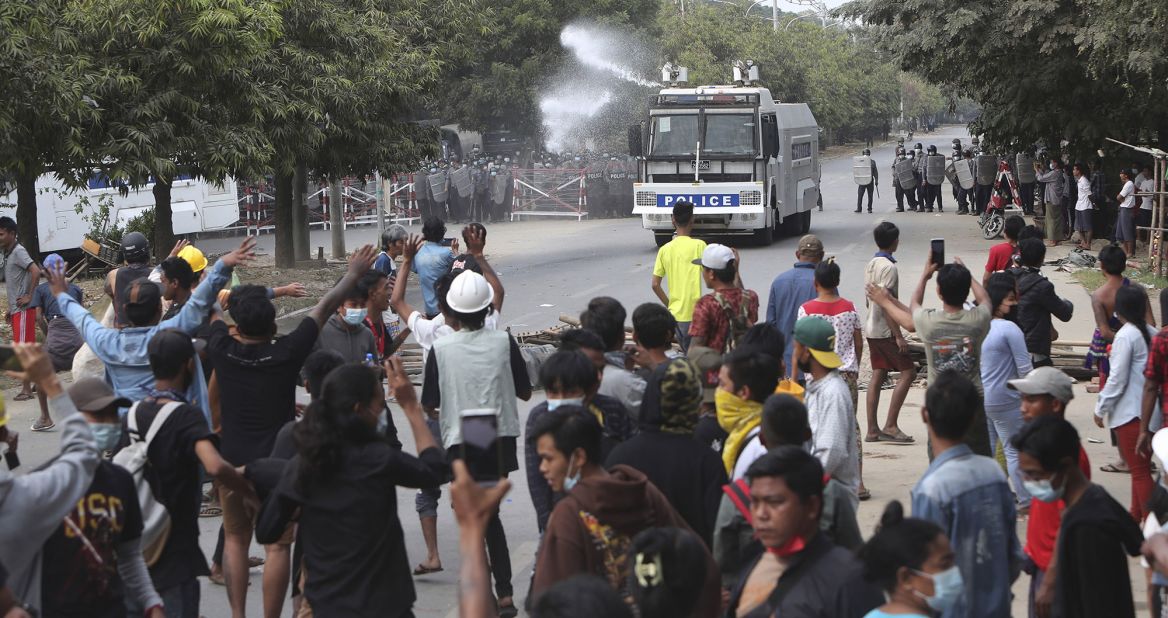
point(554, 267)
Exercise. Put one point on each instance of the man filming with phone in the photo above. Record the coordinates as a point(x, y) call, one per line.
point(952, 335)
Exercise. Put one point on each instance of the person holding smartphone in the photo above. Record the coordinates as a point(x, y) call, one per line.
point(344, 485)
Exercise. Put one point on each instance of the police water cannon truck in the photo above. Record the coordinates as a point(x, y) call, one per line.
point(749, 163)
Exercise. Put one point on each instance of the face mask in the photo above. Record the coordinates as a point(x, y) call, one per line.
point(947, 588)
point(354, 317)
point(571, 480)
point(1043, 490)
point(107, 435)
point(572, 401)
point(1052, 166)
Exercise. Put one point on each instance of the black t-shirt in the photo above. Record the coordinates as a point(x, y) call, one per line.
point(354, 550)
point(174, 469)
point(75, 581)
point(257, 387)
point(432, 396)
point(710, 433)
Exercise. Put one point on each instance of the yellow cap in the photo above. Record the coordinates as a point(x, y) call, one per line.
point(191, 255)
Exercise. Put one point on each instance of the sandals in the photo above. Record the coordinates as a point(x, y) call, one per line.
point(422, 569)
point(1114, 468)
point(22, 397)
point(864, 494)
point(49, 427)
point(893, 438)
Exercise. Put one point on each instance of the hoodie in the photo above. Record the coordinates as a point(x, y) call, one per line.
point(33, 505)
point(351, 342)
point(1037, 302)
point(592, 527)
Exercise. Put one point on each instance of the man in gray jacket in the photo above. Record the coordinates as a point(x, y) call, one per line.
point(1053, 189)
point(33, 505)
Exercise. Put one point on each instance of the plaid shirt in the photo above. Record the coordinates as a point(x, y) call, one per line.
point(1157, 367)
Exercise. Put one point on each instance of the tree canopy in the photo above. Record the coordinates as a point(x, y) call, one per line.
point(1042, 71)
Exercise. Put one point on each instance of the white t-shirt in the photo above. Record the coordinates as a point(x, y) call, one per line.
point(1084, 200)
point(749, 454)
point(426, 332)
point(1129, 201)
point(1147, 185)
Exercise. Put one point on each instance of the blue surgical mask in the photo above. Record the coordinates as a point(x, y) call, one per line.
point(947, 588)
point(571, 480)
point(354, 317)
point(1043, 490)
point(573, 401)
point(107, 435)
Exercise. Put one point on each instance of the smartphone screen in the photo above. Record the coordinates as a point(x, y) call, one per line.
point(8, 360)
point(938, 248)
point(446, 242)
point(480, 445)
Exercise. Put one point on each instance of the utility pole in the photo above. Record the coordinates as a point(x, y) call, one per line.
point(775, 14)
point(337, 219)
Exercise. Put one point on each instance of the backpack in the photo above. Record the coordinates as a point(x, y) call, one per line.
point(155, 518)
point(739, 320)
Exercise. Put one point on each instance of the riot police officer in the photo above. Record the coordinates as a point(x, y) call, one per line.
point(934, 176)
point(904, 187)
point(873, 180)
point(919, 163)
point(597, 189)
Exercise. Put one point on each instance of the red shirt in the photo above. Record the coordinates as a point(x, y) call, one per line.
point(1157, 368)
point(1045, 518)
point(1000, 258)
point(712, 323)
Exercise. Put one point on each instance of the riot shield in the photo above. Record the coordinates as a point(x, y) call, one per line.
point(987, 169)
point(904, 174)
point(438, 187)
point(461, 181)
point(499, 187)
point(951, 171)
point(862, 169)
point(964, 174)
point(934, 170)
point(1025, 169)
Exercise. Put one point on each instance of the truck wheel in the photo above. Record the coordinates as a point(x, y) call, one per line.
point(805, 221)
point(791, 225)
point(764, 236)
point(662, 239)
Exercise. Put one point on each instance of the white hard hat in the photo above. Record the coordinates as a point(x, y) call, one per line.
point(469, 292)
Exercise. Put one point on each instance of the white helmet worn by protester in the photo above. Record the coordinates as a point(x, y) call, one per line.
point(469, 293)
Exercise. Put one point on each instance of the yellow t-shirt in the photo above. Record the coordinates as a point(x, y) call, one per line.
point(683, 278)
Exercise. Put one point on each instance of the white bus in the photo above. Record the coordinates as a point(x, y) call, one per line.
point(65, 216)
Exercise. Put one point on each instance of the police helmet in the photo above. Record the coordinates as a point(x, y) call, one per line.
point(918, 146)
point(867, 152)
point(932, 149)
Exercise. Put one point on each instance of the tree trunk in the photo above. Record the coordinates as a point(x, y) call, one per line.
point(300, 213)
point(163, 218)
point(26, 215)
point(285, 230)
point(337, 219)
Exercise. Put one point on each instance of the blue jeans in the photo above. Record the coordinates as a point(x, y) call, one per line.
point(181, 601)
point(1003, 422)
point(683, 335)
point(426, 500)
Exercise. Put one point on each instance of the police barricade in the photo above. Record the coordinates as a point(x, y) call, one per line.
point(257, 209)
point(549, 193)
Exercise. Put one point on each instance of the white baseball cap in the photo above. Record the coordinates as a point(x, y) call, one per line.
point(715, 257)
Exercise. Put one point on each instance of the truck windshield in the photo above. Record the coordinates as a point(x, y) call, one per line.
point(674, 135)
point(730, 134)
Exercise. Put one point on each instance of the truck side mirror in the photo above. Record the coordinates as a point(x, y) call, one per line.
point(636, 143)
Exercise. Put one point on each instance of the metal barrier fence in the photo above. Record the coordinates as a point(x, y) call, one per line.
point(549, 193)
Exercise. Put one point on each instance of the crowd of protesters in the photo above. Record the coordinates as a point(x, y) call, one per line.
point(708, 465)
